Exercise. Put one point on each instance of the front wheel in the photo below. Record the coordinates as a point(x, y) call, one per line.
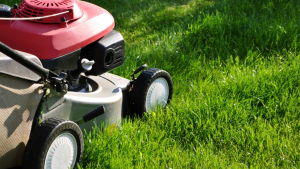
point(54, 144)
point(153, 88)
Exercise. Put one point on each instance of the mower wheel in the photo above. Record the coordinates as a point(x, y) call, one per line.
point(54, 144)
point(153, 88)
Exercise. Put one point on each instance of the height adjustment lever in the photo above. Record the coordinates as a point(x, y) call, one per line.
point(138, 70)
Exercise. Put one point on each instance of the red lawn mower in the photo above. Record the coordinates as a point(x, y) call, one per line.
point(54, 59)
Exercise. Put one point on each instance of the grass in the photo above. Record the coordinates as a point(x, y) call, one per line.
point(235, 65)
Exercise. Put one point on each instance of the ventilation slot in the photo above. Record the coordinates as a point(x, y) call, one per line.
point(117, 61)
point(57, 3)
point(40, 8)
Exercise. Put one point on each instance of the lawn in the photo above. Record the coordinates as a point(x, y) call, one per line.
point(235, 66)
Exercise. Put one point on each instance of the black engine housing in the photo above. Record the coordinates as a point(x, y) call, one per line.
point(108, 53)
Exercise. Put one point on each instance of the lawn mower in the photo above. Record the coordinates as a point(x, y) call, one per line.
point(55, 56)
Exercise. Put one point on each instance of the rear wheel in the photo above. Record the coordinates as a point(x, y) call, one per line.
point(153, 88)
point(54, 144)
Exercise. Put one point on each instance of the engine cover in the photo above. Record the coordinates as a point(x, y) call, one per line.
point(38, 8)
point(54, 40)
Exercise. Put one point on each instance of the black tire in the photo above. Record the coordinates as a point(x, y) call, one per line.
point(44, 136)
point(137, 101)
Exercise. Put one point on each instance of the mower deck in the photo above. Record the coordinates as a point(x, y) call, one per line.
point(73, 105)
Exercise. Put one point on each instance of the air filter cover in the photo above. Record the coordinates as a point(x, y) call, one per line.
point(39, 8)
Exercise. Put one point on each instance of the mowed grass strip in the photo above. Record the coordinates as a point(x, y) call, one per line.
point(235, 68)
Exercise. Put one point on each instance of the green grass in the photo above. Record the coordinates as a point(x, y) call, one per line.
point(235, 66)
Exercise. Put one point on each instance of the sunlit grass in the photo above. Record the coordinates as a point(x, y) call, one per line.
point(235, 67)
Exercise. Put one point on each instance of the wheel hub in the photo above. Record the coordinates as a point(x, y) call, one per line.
point(62, 152)
point(157, 94)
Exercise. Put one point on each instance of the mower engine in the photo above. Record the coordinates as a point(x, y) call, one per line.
point(77, 38)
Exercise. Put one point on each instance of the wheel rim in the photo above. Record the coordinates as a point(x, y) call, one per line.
point(157, 95)
point(62, 153)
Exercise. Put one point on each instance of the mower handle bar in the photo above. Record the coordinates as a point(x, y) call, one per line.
point(42, 72)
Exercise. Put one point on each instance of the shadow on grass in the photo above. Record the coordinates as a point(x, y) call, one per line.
point(213, 29)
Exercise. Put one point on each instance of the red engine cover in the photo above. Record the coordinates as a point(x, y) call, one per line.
point(51, 40)
point(38, 8)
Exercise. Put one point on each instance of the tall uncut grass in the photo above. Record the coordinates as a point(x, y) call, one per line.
point(235, 67)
